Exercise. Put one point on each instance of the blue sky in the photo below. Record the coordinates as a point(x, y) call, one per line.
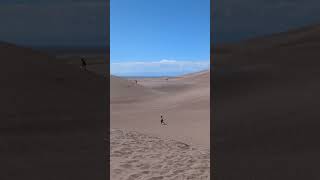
point(158, 38)
point(165, 36)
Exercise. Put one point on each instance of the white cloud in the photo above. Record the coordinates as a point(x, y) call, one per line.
point(163, 67)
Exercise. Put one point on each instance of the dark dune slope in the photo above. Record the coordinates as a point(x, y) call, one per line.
point(266, 107)
point(52, 118)
point(295, 47)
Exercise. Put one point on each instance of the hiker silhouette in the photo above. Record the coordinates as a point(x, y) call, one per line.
point(161, 121)
point(84, 64)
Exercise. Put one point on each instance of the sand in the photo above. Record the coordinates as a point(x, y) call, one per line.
point(136, 108)
point(266, 107)
point(139, 156)
point(52, 118)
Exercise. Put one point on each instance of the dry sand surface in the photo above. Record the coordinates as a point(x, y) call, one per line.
point(139, 156)
point(52, 117)
point(136, 108)
point(266, 107)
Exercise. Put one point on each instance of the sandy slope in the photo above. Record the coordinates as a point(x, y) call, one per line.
point(184, 103)
point(120, 87)
point(140, 156)
point(52, 118)
point(266, 107)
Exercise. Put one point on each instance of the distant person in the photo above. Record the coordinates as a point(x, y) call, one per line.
point(84, 64)
point(162, 122)
point(136, 81)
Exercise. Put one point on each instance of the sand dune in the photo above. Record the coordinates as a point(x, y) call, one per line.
point(296, 47)
point(123, 90)
point(140, 156)
point(184, 103)
point(52, 117)
point(180, 100)
point(266, 99)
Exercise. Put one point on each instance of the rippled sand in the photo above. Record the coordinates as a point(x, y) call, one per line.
point(140, 156)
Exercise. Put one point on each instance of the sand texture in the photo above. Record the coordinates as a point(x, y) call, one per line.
point(51, 118)
point(140, 156)
point(266, 107)
point(142, 148)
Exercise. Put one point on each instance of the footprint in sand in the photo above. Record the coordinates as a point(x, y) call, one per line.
point(156, 178)
point(134, 176)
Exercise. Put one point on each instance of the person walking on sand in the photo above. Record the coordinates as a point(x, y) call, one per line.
point(84, 64)
point(161, 121)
